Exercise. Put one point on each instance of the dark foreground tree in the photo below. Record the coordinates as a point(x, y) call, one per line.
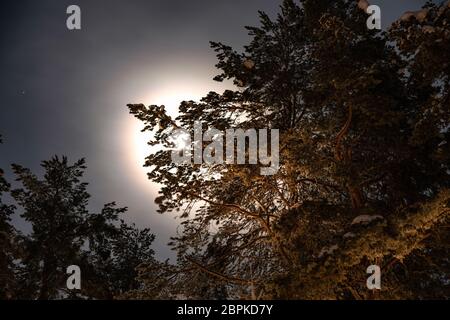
point(64, 233)
point(8, 247)
point(364, 163)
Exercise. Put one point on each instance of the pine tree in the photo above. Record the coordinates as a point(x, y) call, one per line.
point(116, 252)
point(364, 177)
point(8, 245)
point(65, 233)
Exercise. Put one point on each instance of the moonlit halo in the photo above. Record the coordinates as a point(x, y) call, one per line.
point(190, 84)
point(171, 99)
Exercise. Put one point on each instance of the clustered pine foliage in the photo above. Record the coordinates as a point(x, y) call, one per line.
point(7, 239)
point(364, 173)
point(64, 233)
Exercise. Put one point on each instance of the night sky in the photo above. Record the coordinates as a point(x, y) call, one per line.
point(65, 92)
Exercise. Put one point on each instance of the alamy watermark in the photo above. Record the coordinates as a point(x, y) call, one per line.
point(233, 146)
point(374, 12)
point(74, 280)
point(374, 281)
point(73, 22)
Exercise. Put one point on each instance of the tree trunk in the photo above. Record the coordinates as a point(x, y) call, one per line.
point(45, 279)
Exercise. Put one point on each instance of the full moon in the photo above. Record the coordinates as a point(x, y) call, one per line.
point(171, 99)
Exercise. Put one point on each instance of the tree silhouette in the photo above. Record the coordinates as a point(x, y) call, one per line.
point(8, 237)
point(64, 233)
point(364, 178)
